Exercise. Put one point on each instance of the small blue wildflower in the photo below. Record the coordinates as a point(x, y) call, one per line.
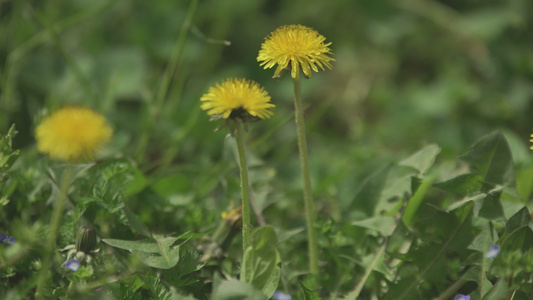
point(462, 297)
point(493, 251)
point(282, 296)
point(73, 264)
point(4, 238)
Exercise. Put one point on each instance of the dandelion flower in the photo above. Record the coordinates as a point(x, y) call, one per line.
point(237, 99)
point(72, 134)
point(294, 47)
point(531, 140)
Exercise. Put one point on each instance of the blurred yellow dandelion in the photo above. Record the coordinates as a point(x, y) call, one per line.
point(531, 140)
point(237, 99)
point(294, 47)
point(72, 134)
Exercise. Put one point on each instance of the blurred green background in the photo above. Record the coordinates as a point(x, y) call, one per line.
point(407, 73)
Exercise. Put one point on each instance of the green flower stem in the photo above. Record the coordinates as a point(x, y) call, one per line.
point(246, 227)
point(304, 164)
point(55, 222)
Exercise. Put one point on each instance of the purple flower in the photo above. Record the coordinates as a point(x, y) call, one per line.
point(72, 264)
point(282, 296)
point(4, 238)
point(493, 251)
point(461, 297)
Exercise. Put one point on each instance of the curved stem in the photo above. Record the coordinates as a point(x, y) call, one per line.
point(55, 222)
point(246, 227)
point(304, 164)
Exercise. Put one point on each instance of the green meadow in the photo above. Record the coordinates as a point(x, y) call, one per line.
point(418, 141)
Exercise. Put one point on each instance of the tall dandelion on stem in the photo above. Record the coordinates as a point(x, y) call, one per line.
point(238, 101)
point(71, 135)
point(296, 47)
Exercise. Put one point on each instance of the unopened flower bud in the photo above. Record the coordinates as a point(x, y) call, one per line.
point(85, 239)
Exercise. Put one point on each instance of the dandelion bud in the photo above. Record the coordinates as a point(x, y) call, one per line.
point(85, 239)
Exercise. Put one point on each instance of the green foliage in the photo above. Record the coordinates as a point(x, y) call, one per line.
point(260, 262)
point(8, 156)
point(158, 252)
point(400, 213)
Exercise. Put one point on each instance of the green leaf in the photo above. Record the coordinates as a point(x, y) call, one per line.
point(483, 240)
point(8, 156)
point(381, 224)
point(476, 198)
point(157, 252)
point(415, 202)
point(260, 262)
point(369, 195)
point(308, 294)
point(463, 185)
point(147, 245)
point(423, 159)
point(524, 184)
point(235, 290)
point(491, 157)
point(517, 221)
point(499, 291)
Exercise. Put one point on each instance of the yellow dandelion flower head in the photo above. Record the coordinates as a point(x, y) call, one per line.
point(531, 140)
point(72, 134)
point(294, 47)
point(233, 216)
point(237, 99)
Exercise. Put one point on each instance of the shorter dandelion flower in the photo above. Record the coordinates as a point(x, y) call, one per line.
point(531, 140)
point(6, 239)
point(239, 99)
point(494, 250)
point(72, 134)
point(72, 264)
point(292, 47)
point(462, 297)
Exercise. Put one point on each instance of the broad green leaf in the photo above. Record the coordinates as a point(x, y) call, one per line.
point(415, 202)
point(272, 282)
point(381, 224)
point(157, 252)
point(235, 290)
point(147, 245)
point(369, 195)
point(524, 184)
point(498, 291)
point(491, 157)
point(517, 221)
point(168, 258)
point(423, 159)
point(260, 262)
point(476, 198)
point(463, 185)
point(483, 240)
